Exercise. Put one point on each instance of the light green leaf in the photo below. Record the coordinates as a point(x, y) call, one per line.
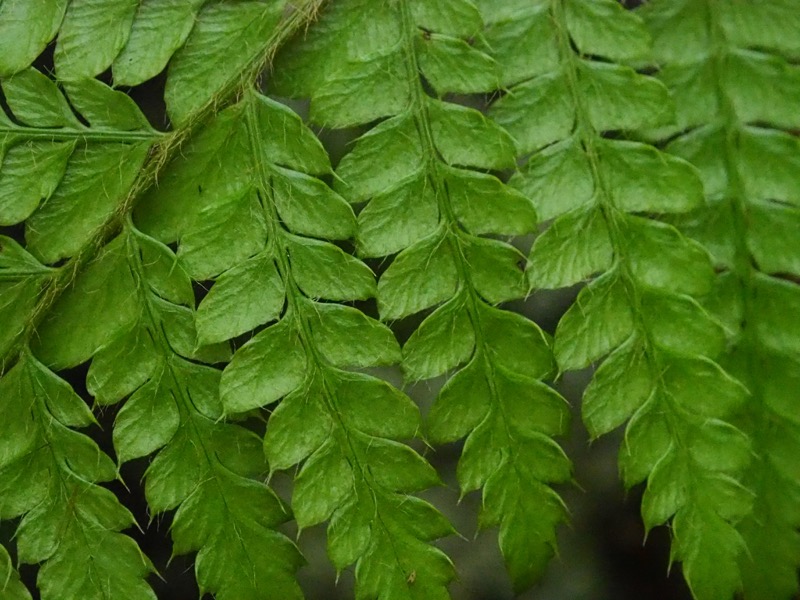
point(497, 270)
point(394, 140)
point(557, 180)
point(461, 405)
point(35, 100)
point(207, 248)
point(80, 52)
point(334, 327)
point(158, 30)
point(322, 270)
point(122, 365)
point(482, 204)
point(598, 322)
point(604, 28)
point(31, 172)
point(617, 97)
point(297, 427)
point(25, 29)
point(452, 17)
point(309, 207)
point(515, 343)
point(628, 168)
point(286, 140)
point(575, 246)
point(620, 386)
point(375, 408)
point(464, 137)
point(422, 276)
point(264, 370)
point(662, 259)
point(225, 38)
point(322, 485)
point(398, 218)
point(536, 113)
point(242, 298)
point(97, 179)
point(444, 340)
point(451, 65)
point(147, 421)
point(104, 107)
point(101, 304)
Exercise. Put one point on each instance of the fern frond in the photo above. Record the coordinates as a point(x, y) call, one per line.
point(205, 468)
point(732, 70)
point(252, 171)
point(48, 476)
point(640, 310)
point(421, 172)
point(11, 587)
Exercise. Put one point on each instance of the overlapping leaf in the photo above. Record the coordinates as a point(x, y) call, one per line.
point(730, 70)
point(422, 173)
point(252, 171)
point(639, 311)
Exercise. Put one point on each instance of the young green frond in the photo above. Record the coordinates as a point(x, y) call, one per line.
point(639, 311)
point(732, 71)
point(422, 172)
point(48, 476)
point(254, 171)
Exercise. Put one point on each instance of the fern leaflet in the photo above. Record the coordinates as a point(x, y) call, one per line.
point(736, 92)
point(641, 312)
point(428, 199)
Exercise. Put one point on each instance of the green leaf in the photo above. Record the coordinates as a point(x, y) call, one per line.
point(464, 137)
point(309, 207)
point(331, 324)
point(12, 588)
point(206, 250)
point(147, 421)
point(35, 100)
point(422, 276)
point(399, 217)
point(265, 369)
point(91, 189)
point(575, 247)
point(392, 139)
point(605, 29)
point(296, 428)
point(25, 29)
point(225, 38)
point(484, 205)
point(598, 322)
point(31, 173)
point(557, 180)
point(450, 64)
point(461, 405)
point(158, 30)
point(242, 298)
point(497, 270)
point(76, 327)
point(80, 54)
point(443, 341)
point(621, 385)
point(323, 483)
point(324, 271)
